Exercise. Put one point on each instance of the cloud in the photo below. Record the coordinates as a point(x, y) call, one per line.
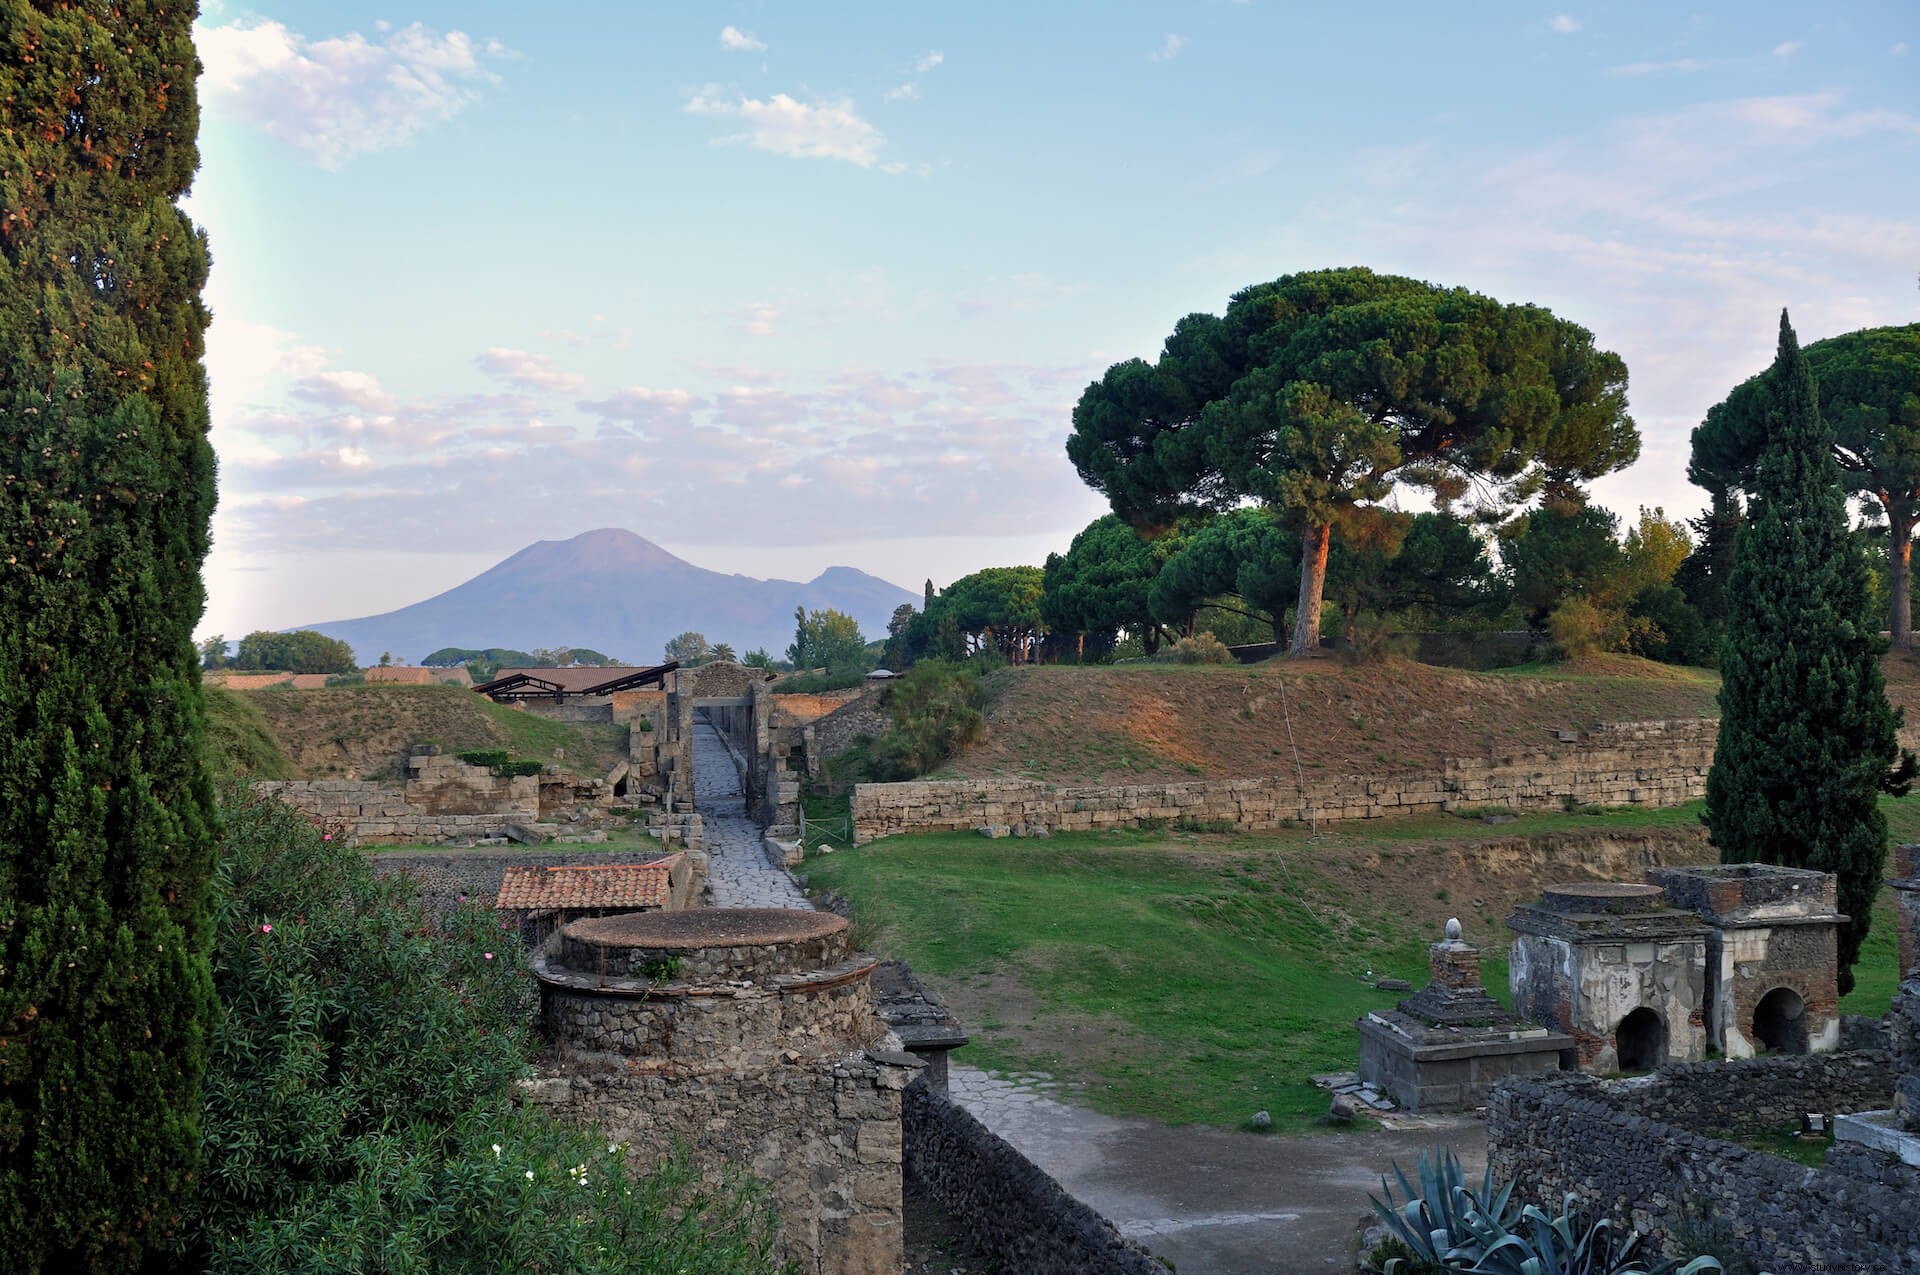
point(1899, 50)
point(645, 408)
point(734, 40)
point(827, 130)
point(1675, 66)
point(344, 389)
point(907, 92)
point(759, 319)
point(927, 61)
point(1169, 49)
point(531, 371)
point(345, 96)
point(1563, 24)
point(1789, 48)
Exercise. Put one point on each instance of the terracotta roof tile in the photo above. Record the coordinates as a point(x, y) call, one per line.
point(599, 885)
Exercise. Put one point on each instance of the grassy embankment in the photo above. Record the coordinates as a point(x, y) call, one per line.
point(1194, 977)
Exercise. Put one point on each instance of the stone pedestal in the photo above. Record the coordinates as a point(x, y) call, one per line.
point(1905, 884)
point(1447, 1045)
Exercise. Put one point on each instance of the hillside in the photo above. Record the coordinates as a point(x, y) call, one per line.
point(366, 732)
point(1113, 725)
point(618, 593)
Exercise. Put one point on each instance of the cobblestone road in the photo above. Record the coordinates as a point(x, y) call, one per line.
point(739, 874)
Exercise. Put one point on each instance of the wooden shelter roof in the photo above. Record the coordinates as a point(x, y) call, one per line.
point(567, 683)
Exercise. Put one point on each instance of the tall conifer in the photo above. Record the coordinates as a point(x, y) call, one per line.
point(1807, 739)
point(106, 486)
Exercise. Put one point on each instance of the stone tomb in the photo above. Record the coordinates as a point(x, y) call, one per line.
point(1613, 966)
point(748, 1035)
point(1773, 955)
point(1446, 1046)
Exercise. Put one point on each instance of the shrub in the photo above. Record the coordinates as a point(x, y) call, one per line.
point(1578, 627)
point(935, 711)
point(357, 1113)
point(1201, 648)
point(501, 762)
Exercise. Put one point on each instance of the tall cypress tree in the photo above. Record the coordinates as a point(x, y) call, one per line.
point(106, 487)
point(1807, 739)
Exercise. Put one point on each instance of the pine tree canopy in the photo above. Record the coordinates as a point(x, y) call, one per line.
point(106, 486)
point(1807, 738)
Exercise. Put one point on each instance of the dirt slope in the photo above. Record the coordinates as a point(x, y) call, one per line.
point(366, 732)
point(1110, 725)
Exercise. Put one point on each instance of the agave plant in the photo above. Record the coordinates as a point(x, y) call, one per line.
point(1448, 1226)
point(1541, 1245)
point(1434, 1222)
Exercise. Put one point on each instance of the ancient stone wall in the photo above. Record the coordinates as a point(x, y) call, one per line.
point(826, 1140)
point(375, 813)
point(589, 710)
point(1645, 1153)
point(447, 876)
point(1636, 763)
point(799, 709)
point(1010, 1207)
point(829, 736)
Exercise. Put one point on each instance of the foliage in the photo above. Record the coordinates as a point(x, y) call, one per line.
point(818, 683)
point(1563, 552)
point(1868, 384)
point(826, 639)
point(1448, 1226)
point(357, 1111)
point(996, 608)
point(1316, 394)
point(1243, 552)
point(213, 652)
point(301, 651)
point(935, 711)
point(1099, 587)
point(107, 824)
point(1807, 739)
point(1441, 569)
point(759, 657)
point(1201, 648)
point(690, 648)
point(240, 740)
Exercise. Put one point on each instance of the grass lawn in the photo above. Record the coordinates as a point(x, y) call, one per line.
point(1191, 977)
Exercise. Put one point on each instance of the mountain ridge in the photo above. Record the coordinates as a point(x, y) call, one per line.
point(617, 592)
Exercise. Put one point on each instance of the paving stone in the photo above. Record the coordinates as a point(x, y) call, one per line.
point(739, 874)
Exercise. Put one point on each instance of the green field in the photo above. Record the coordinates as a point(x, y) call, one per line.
point(1184, 977)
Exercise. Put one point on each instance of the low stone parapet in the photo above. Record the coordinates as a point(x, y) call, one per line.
point(1634, 763)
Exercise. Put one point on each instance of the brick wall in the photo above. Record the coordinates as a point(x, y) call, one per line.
point(1635, 763)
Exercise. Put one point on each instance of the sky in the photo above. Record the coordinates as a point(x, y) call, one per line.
point(781, 286)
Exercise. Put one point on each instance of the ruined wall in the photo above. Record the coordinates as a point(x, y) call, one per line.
point(447, 876)
point(444, 799)
point(827, 737)
point(1636, 763)
point(799, 709)
point(1641, 1151)
point(1010, 1207)
point(826, 1139)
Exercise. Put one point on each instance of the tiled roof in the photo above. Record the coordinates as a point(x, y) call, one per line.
point(599, 885)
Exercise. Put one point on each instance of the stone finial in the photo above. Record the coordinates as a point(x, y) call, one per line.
point(1455, 964)
point(1453, 929)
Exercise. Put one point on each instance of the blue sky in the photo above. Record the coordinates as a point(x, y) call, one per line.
point(782, 286)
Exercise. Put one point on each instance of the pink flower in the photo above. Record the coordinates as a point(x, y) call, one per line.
point(326, 836)
point(463, 898)
point(489, 955)
point(266, 929)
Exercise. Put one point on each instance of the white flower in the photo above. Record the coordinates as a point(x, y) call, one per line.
point(613, 1148)
point(496, 1151)
point(529, 1175)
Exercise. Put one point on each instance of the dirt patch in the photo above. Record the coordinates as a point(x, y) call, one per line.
point(999, 1005)
point(1116, 725)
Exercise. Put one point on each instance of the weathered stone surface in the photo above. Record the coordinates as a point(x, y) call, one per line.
point(1647, 1152)
point(1634, 763)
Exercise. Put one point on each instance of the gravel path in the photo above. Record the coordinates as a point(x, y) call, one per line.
point(739, 874)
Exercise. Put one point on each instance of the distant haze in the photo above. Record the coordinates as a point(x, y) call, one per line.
point(618, 593)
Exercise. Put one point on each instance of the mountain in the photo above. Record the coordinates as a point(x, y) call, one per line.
point(619, 593)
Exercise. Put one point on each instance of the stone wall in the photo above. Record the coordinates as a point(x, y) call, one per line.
point(446, 877)
point(442, 798)
point(829, 736)
point(1645, 1153)
point(1010, 1208)
point(1635, 763)
point(825, 1139)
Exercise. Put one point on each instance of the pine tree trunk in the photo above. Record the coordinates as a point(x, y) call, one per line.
point(1900, 575)
point(1314, 542)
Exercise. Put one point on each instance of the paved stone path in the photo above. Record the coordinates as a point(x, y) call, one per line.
point(1214, 1201)
point(739, 874)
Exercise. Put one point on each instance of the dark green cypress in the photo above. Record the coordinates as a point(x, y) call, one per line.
point(1807, 741)
point(106, 487)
